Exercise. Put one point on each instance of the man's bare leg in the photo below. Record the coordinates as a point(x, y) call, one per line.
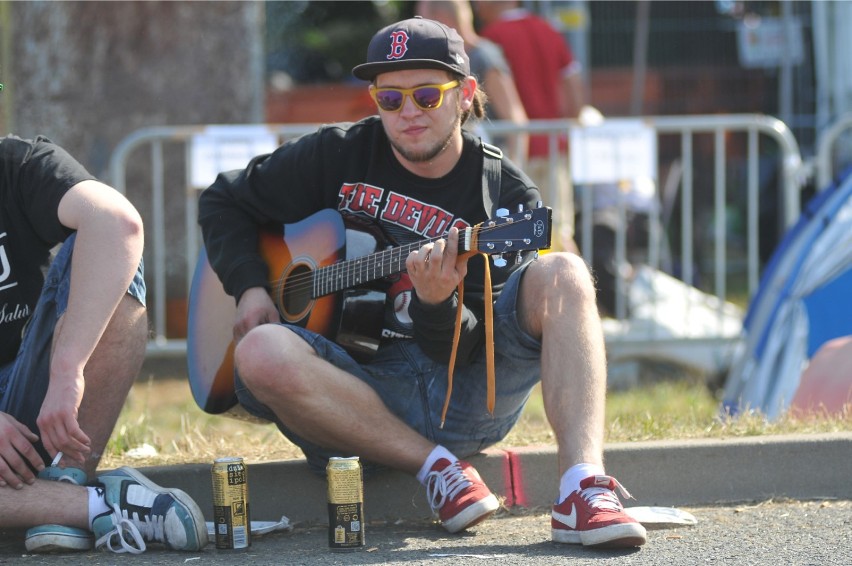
point(334, 409)
point(44, 502)
point(110, 373)
point(324, 404)
point(557, 304)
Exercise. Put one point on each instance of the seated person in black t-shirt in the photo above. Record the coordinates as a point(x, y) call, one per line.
point(71, 344)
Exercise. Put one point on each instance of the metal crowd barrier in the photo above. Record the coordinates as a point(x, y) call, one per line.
point(828, 142)
point(167, 191)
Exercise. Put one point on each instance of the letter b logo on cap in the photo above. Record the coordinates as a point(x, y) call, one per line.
point(399, 40)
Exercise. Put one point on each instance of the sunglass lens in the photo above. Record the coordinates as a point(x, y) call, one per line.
point(389, 100)
point(427, 97)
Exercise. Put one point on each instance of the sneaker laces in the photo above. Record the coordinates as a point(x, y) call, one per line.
point(125, 526)
point(445, 484)
point(605, 498)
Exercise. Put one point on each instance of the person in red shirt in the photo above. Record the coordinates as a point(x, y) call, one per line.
point(550, 84)
point(489, 66)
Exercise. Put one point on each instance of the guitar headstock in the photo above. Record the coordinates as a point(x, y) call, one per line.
point(522, 231)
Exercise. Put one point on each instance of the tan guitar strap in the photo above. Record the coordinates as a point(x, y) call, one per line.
point(491, 191)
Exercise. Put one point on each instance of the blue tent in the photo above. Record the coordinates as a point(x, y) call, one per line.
point(803, 301)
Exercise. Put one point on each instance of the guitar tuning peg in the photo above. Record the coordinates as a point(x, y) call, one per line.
point(518, 258)
point(520, 207)
point(539, 204)
point(499, 261)
point(502, 212)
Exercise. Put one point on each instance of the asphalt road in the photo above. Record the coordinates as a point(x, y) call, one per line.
point(765, 533)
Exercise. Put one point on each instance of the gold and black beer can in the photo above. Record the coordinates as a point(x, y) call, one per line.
point(231, 517)
point(345, 504)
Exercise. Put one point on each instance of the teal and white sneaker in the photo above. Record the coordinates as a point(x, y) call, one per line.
point(59, 538)
point(143, 511)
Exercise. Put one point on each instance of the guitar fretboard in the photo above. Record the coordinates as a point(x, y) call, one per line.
point(346, 274)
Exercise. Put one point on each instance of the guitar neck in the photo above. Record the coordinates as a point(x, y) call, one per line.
point(351, 273)
point(525, 230)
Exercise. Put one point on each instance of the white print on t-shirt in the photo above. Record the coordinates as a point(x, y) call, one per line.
point(5, 268)
point(11, 314)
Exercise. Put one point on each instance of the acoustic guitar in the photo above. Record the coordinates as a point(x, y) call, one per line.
point(321, 280)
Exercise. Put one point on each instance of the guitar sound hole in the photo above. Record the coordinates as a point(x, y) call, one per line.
point(296, 295)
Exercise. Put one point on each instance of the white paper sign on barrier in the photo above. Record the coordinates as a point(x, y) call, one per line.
point(617, 150)
point(222, 148)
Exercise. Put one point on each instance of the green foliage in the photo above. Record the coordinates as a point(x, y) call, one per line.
point(316, 42)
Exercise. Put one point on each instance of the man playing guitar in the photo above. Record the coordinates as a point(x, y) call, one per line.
point(423, 399)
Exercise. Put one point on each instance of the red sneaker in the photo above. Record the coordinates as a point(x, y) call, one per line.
point(594, 516)
point(458, 496)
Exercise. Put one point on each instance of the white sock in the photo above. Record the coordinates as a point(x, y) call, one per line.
point(437, 453)
point(97, 504)
point(571, 479)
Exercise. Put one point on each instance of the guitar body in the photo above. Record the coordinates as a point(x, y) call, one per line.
point(209, 343)
point(316, 242)
point(353, 318)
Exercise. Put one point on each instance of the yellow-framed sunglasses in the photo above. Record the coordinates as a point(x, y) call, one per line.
point(426, 97)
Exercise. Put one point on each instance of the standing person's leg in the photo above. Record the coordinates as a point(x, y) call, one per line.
point(558, 193)
point(557, 303)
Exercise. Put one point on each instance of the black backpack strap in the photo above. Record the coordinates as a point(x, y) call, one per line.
point(491, 159)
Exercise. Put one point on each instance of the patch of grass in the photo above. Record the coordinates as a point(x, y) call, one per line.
point(681, 410)
point(162, 414)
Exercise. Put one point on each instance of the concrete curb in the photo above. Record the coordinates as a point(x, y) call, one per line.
point(690, 472)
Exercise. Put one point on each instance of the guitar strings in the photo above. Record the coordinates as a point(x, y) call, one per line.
point(376, 261)
point(306, 280)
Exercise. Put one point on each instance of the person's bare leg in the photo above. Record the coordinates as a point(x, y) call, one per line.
point(110, 373)
point(323, 404)
point(557, 304)
point(44, 502)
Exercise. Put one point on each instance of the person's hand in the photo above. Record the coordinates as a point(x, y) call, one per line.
point(57, 420)
point(255, 308)
point(436, 269)
point(16, 449)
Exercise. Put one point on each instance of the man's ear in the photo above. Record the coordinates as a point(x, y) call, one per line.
point(468, 89)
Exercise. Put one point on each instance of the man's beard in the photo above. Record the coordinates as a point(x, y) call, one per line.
point(430, 153)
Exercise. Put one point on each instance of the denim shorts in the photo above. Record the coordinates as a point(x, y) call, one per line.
point(413, 386)
point(23, 382)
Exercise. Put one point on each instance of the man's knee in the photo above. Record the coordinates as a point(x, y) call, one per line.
point(560, 273)
point(267, 356)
